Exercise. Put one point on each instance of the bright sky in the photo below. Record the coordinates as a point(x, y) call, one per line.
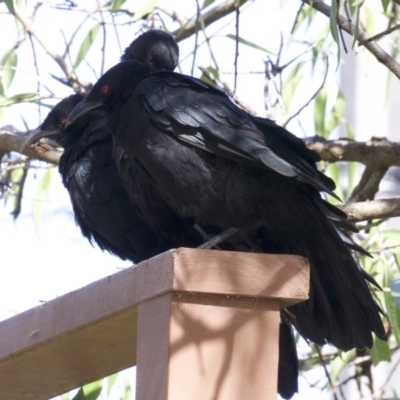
point(36, 266)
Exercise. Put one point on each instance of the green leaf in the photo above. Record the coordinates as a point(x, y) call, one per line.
point(10, 6)
point(110, 382)
point(250, 44)
point(352, 168)
point(116, 5)
point(380, 351)
point(18, 98)
point(9, 59)
point(353, 4)
point(144, 7)
point(334, 27)
point(385, 4)
point(357, 24)
point(338, 363)
point(207, 3)
point(89, 392)
point(349, 130)
point(41, 193)
point(335, 116)
point(290, 85)
point(333, 172)
point(86, 44)
point(319, 112)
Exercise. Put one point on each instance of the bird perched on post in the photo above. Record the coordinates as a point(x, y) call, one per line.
point(214, 163)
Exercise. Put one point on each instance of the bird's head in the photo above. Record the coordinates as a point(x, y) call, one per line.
point(112, 89)
point(53, 127)
point(156, 48)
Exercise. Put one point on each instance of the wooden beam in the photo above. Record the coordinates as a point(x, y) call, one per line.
point(91, 332)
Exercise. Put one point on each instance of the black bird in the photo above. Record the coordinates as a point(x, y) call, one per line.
point(102, 207)
point(105, 214)
point(213, 162)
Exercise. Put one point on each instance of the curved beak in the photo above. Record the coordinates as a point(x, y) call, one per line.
point(81, 109)
point(35, 135)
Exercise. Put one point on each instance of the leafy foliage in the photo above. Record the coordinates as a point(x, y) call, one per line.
point(294, 70)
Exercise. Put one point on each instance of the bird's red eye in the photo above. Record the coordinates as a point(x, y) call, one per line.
point(63, 120)
point(104, 89)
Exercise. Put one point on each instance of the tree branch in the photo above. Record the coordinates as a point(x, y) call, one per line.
point(368, 186)
point(377, 152)
point(363, 38)
point(375, 209)
point(13, 142)
point(209, 17)
point(75, 84)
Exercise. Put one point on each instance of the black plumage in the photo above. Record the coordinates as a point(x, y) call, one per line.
point(184, 154)
point(102, 208)
point(214, 163)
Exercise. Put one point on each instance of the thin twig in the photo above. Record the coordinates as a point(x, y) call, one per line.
point(348, 16)
point(103, 26)
point(196, 37)
point(236, 48)
point(227, 89)
point(173, 15)
point(116, 33)
point(381, 55)
point(308, 49)
point(313, 96)
point(380, 35)
point(296, 18)
point(218, 238)
point(68, 44)
point(37, 72)
point(209, 17)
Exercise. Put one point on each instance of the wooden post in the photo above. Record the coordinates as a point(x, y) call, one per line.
point(206, 324)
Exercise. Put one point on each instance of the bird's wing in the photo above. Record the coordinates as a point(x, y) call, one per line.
point(204, 117)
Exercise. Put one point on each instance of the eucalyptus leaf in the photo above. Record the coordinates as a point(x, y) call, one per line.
point(334, 26)
point(333, 172)
point(250, 44)
point(9, 61)
point(319, 112)
point(10, 6)
point(338, 363)
point(18, 98)
point(86, 44)
point(352, 168)
point(90, 391)
point(380, 351)
point(385, 4)
point(207, 3)
point(145, 7)
point(290, 85)
point(110, 382)
point(116, 5)
point(41, 193)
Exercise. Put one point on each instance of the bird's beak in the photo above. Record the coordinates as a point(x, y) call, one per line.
point(81, 109)
point(35, 135)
